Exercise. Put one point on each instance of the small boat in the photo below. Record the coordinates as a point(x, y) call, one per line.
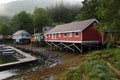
point(1, 46)
point(7, 50)
point(8, 53)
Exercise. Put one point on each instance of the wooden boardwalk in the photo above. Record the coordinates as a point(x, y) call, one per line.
point(27, 58)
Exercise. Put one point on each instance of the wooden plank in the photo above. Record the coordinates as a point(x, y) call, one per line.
point(68, 46)
point(77, 48)
point(55, 45)
point(28, 58)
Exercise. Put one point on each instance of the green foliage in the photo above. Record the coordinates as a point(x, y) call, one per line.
point(113, 56)
point(41, 19)
point(74, 74)
point(7, 59)
point(22, 21)
point(108, 13)
point(5, 19)
point(4, 29)
point(94, 67)
point(88, 10)
point(63, 12)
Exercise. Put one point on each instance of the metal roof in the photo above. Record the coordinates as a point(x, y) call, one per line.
point(72, 27)
point(21, 32)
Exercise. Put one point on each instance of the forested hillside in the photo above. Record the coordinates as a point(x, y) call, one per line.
point(97, 65)
point(107, 13)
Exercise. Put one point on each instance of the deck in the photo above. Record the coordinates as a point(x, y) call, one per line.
point(27, 58)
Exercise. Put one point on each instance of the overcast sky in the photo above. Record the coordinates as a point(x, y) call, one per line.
point(6, 1)
point(11, 7)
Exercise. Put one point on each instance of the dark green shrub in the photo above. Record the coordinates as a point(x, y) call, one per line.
point(74, 74)
point(96, 69)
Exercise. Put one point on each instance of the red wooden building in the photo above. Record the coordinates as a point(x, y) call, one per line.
point(74, 33)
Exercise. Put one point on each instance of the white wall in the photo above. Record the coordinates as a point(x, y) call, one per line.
point(1, 36)
point(18, 37)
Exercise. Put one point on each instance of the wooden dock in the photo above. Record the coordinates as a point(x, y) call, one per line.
point(27, 58)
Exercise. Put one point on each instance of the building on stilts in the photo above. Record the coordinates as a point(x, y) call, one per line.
point(74, 36)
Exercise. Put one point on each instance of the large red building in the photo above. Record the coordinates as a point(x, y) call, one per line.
point(75, 32)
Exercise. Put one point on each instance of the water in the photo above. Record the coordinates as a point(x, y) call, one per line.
point(16, 71)
point(7, 73)
point(19, 69)
point(31, 66)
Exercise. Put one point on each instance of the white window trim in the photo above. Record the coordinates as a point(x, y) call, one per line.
point(70, 34)
point(53, 36)
point(77, 35)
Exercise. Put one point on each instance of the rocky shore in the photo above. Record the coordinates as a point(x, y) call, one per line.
point(54, 64)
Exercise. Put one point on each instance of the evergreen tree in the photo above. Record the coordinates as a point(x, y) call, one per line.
point(40, 19)
point(4, 29)
point(22, 21)
point(108, 13)
point(88, 10)
point(63, 13)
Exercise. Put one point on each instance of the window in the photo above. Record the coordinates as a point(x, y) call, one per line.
point(59, 34)
point(69, 34)
point(64, 34)
point(76, 34)
point(22, 35)
point(49, 35)
point(45, 29)
point(53, 36)
point(45, 36)
point(27, 35)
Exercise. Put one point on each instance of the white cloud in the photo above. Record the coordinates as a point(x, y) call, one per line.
point(6, 1)
point(7, 7)
point(73, 1)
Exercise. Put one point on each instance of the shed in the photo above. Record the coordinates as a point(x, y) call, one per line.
point(78, 32)
point(21, 36)
point(38, 39)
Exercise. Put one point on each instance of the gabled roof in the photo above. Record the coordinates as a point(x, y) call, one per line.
point(72, 27)
point(38, 34)
point(21, 32)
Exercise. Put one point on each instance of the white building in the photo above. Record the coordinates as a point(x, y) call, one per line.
point(1, 36)
point(21, 36)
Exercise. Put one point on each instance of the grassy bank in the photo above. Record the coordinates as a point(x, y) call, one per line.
point(94, 67)
point(111, 55)
point(7, 59)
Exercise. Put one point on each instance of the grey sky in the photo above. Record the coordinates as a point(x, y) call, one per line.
point(10, 7)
